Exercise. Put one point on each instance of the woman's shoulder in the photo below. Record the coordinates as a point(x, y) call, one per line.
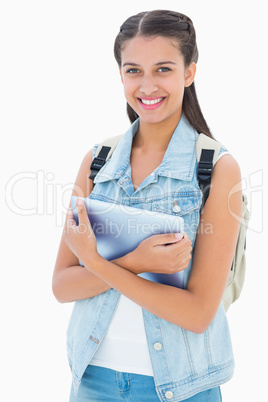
point(83, 186)
point(88, 156)
point(226, 182)
point(227, 165)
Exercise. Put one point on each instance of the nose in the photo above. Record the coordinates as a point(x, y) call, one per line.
point(148, 85)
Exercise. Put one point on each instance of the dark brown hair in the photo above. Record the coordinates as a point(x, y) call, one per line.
point(172, 25)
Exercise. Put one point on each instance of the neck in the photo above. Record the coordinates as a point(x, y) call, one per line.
point(156, 136)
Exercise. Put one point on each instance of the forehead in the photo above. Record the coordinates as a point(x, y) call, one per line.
point(150, 50)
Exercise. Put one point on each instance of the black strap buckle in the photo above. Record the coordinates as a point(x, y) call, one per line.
point(204, 171)
point(97, 163)
point(95, 166)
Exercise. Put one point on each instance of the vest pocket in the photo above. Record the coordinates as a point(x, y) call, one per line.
point(178, 205)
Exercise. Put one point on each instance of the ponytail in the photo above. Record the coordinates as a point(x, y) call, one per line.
point(132, 115)
point(192, 111)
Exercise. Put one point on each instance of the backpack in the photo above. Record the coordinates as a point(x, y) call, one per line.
point(207, 150)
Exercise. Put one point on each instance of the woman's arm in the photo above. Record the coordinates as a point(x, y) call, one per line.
point(195, 307)
point(71, 281)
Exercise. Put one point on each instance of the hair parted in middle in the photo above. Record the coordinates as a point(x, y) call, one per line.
point(174, 25)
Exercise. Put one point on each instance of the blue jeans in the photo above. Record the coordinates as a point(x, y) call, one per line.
point(102, 384)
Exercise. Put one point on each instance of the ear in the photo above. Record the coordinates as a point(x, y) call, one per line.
point(190, 74)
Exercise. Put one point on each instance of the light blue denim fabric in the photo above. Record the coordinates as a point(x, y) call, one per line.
point(102, 384)
point(187, 363)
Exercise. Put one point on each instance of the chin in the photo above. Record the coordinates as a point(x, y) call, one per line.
point(153, 119)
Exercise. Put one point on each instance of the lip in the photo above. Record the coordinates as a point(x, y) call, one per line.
point(151, 107)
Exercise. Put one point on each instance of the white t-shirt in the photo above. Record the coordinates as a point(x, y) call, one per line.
point(124, 347)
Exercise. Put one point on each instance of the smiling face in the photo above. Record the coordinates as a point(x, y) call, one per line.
point(154, 77)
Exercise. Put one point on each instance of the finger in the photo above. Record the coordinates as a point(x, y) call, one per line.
point(185, 236)
point(71, 222)
point(70, 218)
point(184, 263)
point(81, 211)
point(185, 242)
point(69, 213)
point(167, 238)
point(184, 252)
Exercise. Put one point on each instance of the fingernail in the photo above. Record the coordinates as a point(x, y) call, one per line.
point(79, 201)
point(179, 235)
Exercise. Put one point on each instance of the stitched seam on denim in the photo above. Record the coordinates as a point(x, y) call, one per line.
point(200, 377)
point(123, 382)
point(190, 361)
point(208, 349)
point(142, 200)
point(159, 321)
point(145, 199)
point(85, 304)
point(193, 156)
point(94, 327)
point(193, 194)
point(183, 212)
point(201, 389)
point(177, 384)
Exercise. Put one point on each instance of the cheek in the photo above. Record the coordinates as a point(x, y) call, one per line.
point(129, 88)
point(176, 89)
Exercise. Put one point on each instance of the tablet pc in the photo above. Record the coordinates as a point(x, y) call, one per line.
point(119, 229)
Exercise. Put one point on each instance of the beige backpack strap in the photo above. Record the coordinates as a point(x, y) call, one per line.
point(109, 142)
point(205, 142)
point(103, 153)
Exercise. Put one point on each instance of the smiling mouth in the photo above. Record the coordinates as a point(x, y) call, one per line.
point(151, 102)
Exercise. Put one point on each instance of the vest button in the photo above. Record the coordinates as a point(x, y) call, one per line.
point(169, 394)
point(157, 346)
point(176, 207)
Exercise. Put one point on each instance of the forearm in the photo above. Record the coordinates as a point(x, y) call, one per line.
point(129, 263)
point(178, 306)
point(77, 283)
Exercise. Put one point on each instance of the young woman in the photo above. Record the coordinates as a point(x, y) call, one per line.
point(130, 338)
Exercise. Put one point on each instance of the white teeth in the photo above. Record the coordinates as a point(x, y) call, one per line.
point(151, 102)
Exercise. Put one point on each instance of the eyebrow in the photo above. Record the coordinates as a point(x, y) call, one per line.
point(157, 64)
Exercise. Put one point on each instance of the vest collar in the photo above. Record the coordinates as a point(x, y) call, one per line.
point(178, 162)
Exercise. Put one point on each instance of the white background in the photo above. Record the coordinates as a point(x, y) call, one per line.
point(60, 94)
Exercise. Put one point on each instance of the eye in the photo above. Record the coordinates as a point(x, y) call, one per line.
point(164, 69)
point(133, 71)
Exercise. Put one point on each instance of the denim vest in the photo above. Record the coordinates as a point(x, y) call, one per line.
point(186, 363)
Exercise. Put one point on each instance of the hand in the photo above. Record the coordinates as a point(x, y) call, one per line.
point(164, 254)
point(80, 239)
